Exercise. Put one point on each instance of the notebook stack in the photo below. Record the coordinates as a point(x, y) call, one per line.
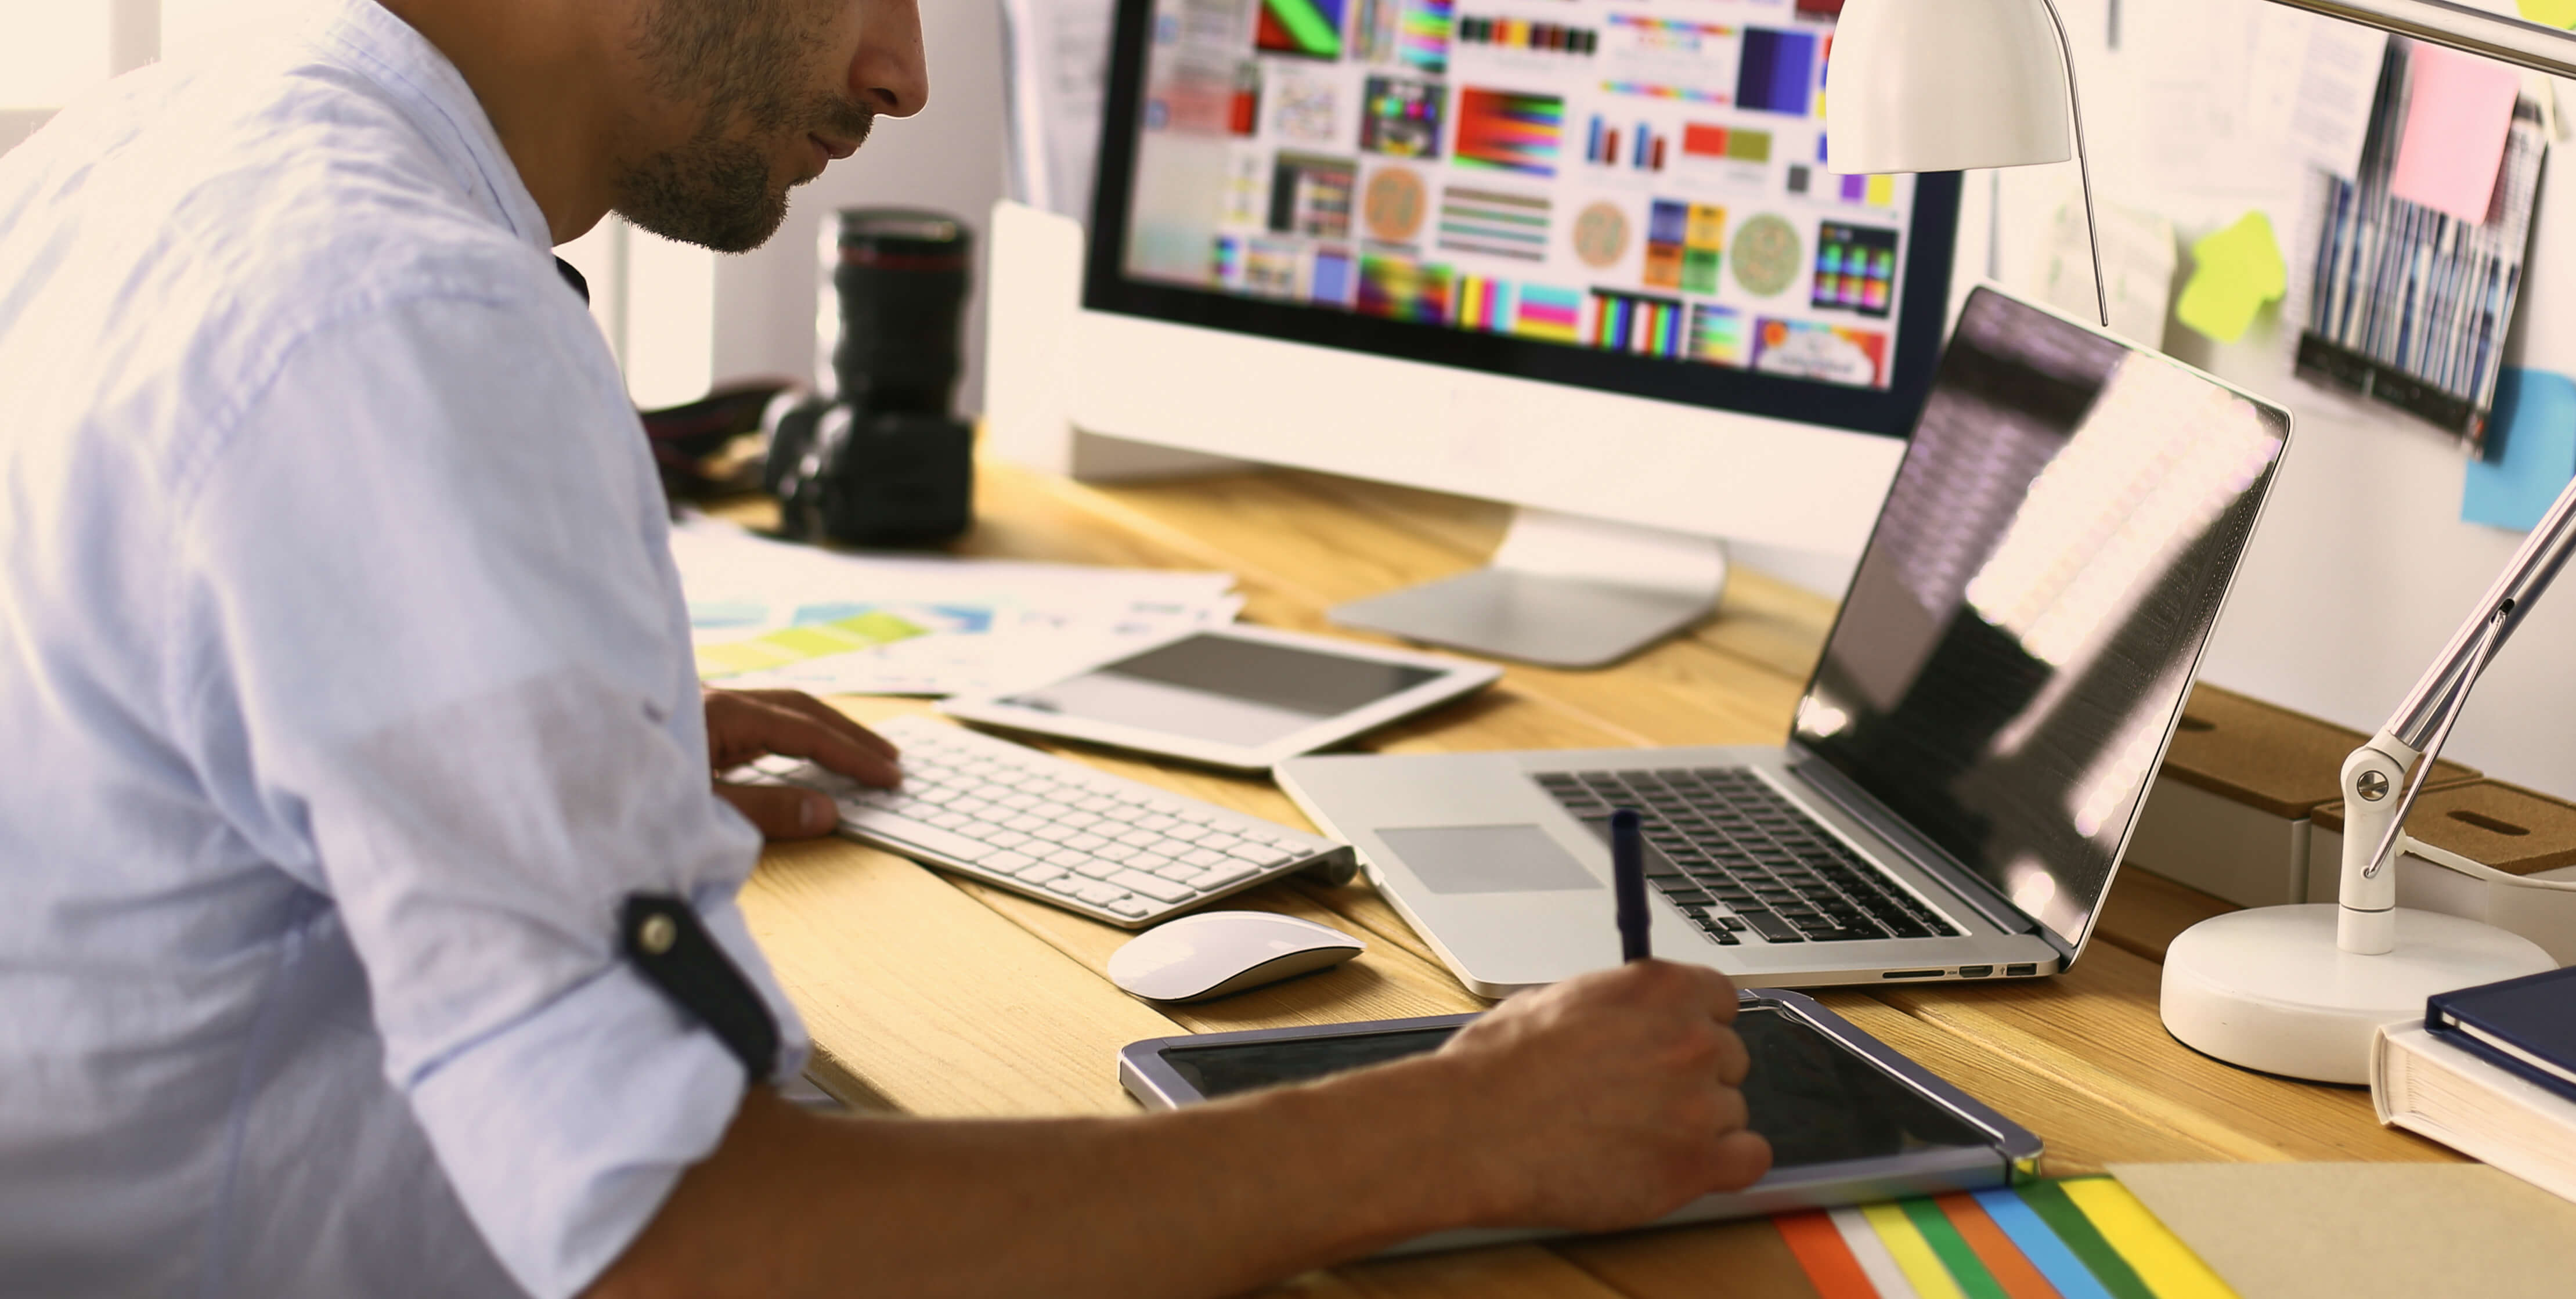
point(2490, 1072)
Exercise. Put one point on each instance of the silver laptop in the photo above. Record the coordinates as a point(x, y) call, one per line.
point(1972, 751)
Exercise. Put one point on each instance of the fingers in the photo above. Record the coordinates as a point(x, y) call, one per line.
point(1742, 1157)
point(742, 725)
point(782, 812)
point(832, 719)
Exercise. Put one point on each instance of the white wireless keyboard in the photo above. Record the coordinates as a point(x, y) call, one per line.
point(1112, 849)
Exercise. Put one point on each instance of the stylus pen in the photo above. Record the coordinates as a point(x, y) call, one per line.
point(1628, 884)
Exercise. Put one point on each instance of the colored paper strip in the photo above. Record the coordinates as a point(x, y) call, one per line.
point(2459, 109)
point(2166, 1264)
point(1871, 1253)
point(1828, 1261)
point(2041, 1246)
point(2003, 1260)
point(2530, 452)
point(2049, 1201)
point(1964, 1265)
point(2234, 273)
point(1912, 1253)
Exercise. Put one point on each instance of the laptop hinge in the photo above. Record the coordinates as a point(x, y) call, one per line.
point(1990, 902)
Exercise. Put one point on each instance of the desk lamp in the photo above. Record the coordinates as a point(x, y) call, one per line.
point(1934, 85)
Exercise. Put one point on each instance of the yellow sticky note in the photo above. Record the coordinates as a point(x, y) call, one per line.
point(2553, 13)
point(2239, 269)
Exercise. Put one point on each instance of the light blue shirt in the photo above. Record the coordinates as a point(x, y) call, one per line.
point(345, 689)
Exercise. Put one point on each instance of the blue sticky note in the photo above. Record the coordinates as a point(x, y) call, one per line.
point(2530, 455)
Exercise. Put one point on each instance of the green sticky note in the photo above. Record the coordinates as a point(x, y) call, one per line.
point(2239, 269)
point(2552, 13)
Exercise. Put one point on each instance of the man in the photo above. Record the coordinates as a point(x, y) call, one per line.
point(351, 693)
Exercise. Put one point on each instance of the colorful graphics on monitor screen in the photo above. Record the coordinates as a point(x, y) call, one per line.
point(1402, 117)
point(1309, 29)
point(1400, 288)
point(1601, 235)
point(1855, 268)
point(1395, 206)
point(1311, 195)
point(1809, 349)
point(1684, 244)
point(1640, 177)
point(1494, 223)
point(1502, 130)
point(1768, 255)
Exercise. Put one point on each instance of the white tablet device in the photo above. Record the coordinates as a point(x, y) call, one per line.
point(1235, 696)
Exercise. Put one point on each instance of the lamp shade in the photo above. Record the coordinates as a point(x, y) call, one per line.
point(1945, 85)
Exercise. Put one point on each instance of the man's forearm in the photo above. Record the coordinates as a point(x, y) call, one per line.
point(1200, 1202)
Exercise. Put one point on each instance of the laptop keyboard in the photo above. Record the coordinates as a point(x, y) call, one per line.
point(1735, 855)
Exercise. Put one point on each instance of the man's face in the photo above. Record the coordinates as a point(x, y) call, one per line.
point(764, 93)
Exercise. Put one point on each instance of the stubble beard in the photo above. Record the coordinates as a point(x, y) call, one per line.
point(742, 62)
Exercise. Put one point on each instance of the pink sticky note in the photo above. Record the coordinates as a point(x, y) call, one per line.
point(2458, 112)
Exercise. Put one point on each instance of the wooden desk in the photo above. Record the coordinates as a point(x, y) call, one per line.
point(932, 996)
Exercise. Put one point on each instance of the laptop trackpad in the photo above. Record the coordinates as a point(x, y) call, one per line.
point(1488, 859)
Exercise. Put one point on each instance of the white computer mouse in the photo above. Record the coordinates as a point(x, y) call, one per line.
point(1215, 953)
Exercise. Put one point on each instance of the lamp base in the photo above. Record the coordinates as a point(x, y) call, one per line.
point(2268, 989)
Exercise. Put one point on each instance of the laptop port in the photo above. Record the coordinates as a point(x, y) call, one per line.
point(1975, 971)
point(1911, 974)
point(2022, 971)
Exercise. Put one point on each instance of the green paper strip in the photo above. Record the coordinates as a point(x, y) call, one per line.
point(1306, 25)
point(2050, 1202)
point(1943, 1235)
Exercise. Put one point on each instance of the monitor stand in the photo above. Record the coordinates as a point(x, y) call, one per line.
point(1562, 591)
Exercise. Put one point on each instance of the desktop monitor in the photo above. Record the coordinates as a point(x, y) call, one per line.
point(1582, 256)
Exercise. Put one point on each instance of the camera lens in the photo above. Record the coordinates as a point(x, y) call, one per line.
point(900, 276)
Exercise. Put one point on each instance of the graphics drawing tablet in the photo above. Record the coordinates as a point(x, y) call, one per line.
point(1850, 1120)
point(1237, 696)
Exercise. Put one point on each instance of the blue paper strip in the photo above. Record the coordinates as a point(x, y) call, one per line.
point(2531, 451)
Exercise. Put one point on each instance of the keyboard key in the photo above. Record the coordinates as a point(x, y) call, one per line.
point(1049, 831)
point(1177, 871)
point(1158, 822)
point(1141, 838)
point(1099, 893)
point(1097, 804)
point(1772, 927)
point(1008, 863)
point(1151, 861)
point(1152, 886)
point(1113, 851)
point(1131, 908)
point(951, 821)
point(1008, 839)
point(1089, 843)
point(1203, 858)
point(1221, 876)
point(1096, 868)
point(1221, 842)
point(917, 833)
point(1025, 824)
point(1040, 873)
point(1068, 885)
point(1259, 854)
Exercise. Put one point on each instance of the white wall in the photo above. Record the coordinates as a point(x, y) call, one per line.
point(2363, 567)
point(950, 158)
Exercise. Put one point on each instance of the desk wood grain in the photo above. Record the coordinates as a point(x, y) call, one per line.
point(931, 995)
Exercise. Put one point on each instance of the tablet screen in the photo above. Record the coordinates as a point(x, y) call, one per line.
point(1816, 1101)
point(1224, 689)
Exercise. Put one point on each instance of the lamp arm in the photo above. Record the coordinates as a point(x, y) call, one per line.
point(2470, 31)
point(2414, 735)
point(2083, 169)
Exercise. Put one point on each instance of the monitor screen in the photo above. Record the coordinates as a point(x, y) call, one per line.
point(2026, 621)
point(1612, 194)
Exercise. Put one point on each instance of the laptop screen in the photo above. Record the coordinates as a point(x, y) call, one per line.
point(2025, 623)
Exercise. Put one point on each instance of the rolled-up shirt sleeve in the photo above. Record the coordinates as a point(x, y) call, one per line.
point(453, 679)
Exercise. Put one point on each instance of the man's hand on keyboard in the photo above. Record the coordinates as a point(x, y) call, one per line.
point(1605, 1101)
point(746, 724)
